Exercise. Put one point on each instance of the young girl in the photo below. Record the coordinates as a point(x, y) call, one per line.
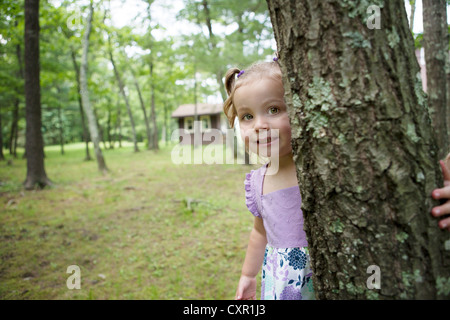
point(277, 240)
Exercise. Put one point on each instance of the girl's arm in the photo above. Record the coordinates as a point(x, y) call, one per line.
point(253, 261)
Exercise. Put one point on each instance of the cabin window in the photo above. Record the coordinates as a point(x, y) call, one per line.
point(206, 122)
point(189, 123)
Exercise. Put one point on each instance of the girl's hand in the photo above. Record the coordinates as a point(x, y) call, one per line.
point(443, 193)
point(246, 289)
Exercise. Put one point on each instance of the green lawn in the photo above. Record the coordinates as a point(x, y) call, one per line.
point(135, 233)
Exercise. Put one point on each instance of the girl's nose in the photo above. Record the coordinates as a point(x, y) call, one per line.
point(261, 123)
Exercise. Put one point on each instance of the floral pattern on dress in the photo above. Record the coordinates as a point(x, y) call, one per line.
point(286, 274)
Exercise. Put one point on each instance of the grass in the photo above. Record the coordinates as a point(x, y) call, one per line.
point(149, 229)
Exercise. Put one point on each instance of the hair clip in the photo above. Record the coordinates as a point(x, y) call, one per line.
point(240, 73)
point(276, 56)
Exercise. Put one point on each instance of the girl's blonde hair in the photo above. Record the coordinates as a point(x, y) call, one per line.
point(236, 78)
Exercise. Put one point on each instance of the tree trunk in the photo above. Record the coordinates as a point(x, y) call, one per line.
point(147, 124)
point(61, 130)
point(154, 141)
point(435, 36)
point(212, 46)
point(364, 149)
point(80, 105)
point(92, 122)
point(122, 91)
point(14, 128)
point(412, 3)
point(118, 126)
point(15, 113)
point(34, 144)
point(2, 157)
point(108, 125)
point(153, 111)
point(165, 129)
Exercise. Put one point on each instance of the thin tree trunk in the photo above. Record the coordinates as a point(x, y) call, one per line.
point(80, 105)
point(212, 46)
point(153, 111)
point(435, 36)
point(413, 12)
point(154, 140)
point(34, 144)
point(122, 91)
point(147, 124)
point(108, 126)
point(16, 136)
point(197, 126)
point(92, 122)
point(118, 126)
point(166, 129)
point(100, 129)
point(364, 149)
point(61, 131)
point(15, 120)
point(2, 157)
point(14, 128)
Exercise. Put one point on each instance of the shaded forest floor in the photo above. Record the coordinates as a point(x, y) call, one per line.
point(135, 233)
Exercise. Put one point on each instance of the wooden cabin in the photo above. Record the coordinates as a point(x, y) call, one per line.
point(211, 117)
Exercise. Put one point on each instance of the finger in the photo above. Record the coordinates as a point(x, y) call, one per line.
point(442, 193)
point(238, 294)
point(445, 224)
point(445, 171)
point(441, 210)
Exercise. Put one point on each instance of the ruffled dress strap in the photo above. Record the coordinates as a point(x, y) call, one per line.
point(253, 186)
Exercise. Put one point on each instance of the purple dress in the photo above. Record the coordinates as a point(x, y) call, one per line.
point(286, 272)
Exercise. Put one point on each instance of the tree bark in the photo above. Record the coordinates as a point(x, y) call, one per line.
point(364, 149)
point(92, 122)
point(34, 144)
point(435, 36)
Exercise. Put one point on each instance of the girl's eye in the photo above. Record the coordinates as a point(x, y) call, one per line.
point(273, 110)
point(247, 117)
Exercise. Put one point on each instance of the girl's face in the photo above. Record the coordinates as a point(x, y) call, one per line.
point(263, 117)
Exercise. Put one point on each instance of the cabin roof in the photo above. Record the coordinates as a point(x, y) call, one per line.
point(187, 110)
